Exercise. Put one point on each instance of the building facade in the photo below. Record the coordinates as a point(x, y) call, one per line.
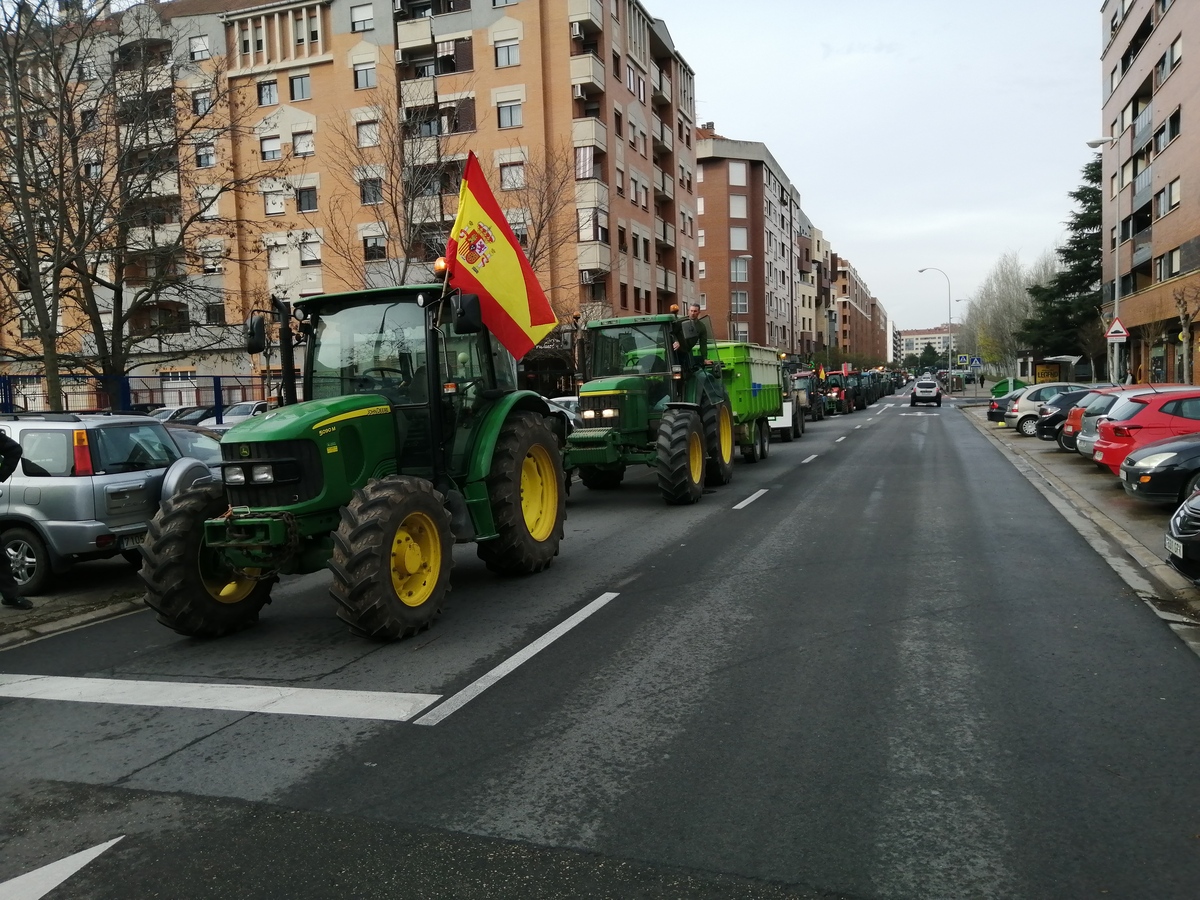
point(914, 341)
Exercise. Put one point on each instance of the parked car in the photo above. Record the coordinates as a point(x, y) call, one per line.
point(1141, 419)
point(1183, 539)
point(85, 489)
point(571, 403)
point(999, 405)
point(1166, 471)
point(1099, 408)
point(239, 412)
point(925, 391)
point(189, 415)
point(1053, 414)
point(199, 443)
point(1022, 411)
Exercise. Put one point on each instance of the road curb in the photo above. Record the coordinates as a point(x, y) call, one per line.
point(56, 626)
point(1171, 586)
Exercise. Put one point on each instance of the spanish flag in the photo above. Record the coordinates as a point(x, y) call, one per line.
point(484, 258)
point(821, 373)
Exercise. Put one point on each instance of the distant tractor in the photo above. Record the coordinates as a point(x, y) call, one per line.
point(414, 437)
point(652, 396)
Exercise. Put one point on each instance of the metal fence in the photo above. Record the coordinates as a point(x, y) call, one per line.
point(132, 393)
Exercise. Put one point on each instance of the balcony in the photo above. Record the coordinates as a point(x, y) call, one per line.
point(588, 13)
point(587, 72)
point(159, 133)
point(591, 193)
point(1143, 248)
point(664, 232)
point(590, 132)
point(418, 92)
point(414, 34)
point(1143, 128)
point(663, 135)
point(664, 185)
point(140, 82)
point(421, 151)
point(594, 256)
point(428, 209)
point(1143, 183)
point(665, 281)
point(660, 85)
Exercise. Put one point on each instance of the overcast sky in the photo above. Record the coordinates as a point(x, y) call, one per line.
point(918, 132)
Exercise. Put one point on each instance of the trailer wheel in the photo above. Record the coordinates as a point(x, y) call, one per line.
point(191, 586)
point(392, 555)
point(595, 478)
point(764, 438)
point(718, 440)
point(680, 457)
point(528, 503)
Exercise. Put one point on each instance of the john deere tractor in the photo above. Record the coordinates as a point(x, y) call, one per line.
point(413, 437)
point(652, 396)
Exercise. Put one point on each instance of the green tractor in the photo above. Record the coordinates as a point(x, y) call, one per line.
point(414, 437)
point(652, 395)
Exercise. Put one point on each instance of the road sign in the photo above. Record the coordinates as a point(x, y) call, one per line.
point(976, 362)
point(962, 359)
point(1117, 333)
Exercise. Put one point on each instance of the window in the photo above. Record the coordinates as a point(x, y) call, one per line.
point(303, 144)
point(368, 134)
point(270, 148)
point(214, 314)
point(306, 29)
point(741, 332)
point(512, 176)
point(622, 243)
point(364, 75)
point(306, 200)
point(49, 453)
point(370, 190)
point(585, 163)
point(701, 269)
point(737, 173)
point(620, 183)
point(310, 252)
point(201, 102)
point(28, 328)
point(93, 170)
point(212, 264)
point(206, 200)
point(739, 269)
point(699, 206)
point(593, 225)
point(703, 301)
point(737, 206)
point(277, 256)
point(198, 47)
point(268, 93)
point(1173, 194)
point(206, 156)
point(508, 53)
point(738, 238)
point(1168, 265)
point(374, 249)
point(509, 115)
point(87, 70)
point(301, 87)
point(498, 3)
point(362, 18)
point(273, 201)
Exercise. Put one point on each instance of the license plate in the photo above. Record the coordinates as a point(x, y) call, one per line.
point(132, 541)
point(1098, 455)
point(1174, 547)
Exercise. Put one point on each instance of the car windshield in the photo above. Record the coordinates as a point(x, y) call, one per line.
point(359, 348)
point(930, 385)
point(164, 413)
point(629, 350)
point(193, 416)
point(197, 445)
point(1126, 408)
point(132, 448)
point(240, 409)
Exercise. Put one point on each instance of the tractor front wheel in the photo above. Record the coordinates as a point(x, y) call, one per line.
point(528, 503)
point(680, 457)
point(193, 587)
point(596, 479)
point(718, 440)
point(392, 555)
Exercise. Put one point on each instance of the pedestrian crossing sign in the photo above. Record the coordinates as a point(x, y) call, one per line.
point(976, 362)
point(962, 359)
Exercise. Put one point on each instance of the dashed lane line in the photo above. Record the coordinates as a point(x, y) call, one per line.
point(810, 459)
point(839, 440)
point(750, 499)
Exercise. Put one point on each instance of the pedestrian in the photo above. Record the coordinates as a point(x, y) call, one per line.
point(10, 456)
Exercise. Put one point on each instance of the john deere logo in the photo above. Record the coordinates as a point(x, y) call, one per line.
point(244, 450)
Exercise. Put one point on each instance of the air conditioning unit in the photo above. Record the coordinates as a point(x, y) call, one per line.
point(585, 276)
point(577, 29)
point(577, 91)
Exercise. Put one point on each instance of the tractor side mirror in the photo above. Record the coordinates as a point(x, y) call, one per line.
point(468, 314)
point(256, 334)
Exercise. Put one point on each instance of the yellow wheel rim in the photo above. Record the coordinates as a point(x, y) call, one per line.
point(416, 559)
point(539, 493)
point(725, 428)
point(695, 457)
point(220, 581)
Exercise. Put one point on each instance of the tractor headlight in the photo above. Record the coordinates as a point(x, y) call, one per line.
point(609, 413)
point(234, 475)
point(588, 414)
point(262, 475)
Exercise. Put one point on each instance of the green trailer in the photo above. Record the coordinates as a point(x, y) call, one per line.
point(753, 379)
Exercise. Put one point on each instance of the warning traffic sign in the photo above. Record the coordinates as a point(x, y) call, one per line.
point(1117, 332)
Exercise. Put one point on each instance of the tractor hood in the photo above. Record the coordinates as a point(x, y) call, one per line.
point(312, 419)
point(612, 384)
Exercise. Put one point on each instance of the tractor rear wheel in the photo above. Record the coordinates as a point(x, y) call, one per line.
point(596, 479)
point(528, 503)
point(392, 556)
point(680, 457)
point(191, 586)
point(718, 440)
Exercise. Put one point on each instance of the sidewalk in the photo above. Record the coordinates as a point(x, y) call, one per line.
point(88, 593)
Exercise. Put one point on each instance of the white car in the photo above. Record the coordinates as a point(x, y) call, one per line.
point(926, 391)
point(239, 412)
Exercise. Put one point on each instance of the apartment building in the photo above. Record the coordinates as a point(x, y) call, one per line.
point(914, 340)
point(861, 319)
point(1151, 171)
point(755, 245)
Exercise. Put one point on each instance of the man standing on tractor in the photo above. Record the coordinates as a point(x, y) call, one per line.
point(698, 339)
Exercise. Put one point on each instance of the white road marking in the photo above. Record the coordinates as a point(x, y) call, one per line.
point(885, 409)
point(750, 499)
point(481, 684)
point(810, 459)
point(839, 440)
point(856, 427)
point(38, 883)
point(383, 705)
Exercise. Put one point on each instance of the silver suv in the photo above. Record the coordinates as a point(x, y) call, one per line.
point(85, 489)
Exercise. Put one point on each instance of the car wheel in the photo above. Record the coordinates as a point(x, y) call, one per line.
point(1191, 487)
point(1027, 426)
point(29, 559)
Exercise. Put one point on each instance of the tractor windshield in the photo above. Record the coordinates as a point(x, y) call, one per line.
point(376, 348)
point(629, 350)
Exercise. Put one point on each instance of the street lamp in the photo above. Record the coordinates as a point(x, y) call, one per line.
point(949, 330)
point(1114, 354)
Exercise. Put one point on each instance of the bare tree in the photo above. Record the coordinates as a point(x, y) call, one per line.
point(1187, 302)
point(1002, 304)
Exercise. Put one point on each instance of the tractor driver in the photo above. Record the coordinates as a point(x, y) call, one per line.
point(700, 340)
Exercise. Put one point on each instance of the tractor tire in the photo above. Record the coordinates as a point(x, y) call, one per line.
point(192, 588)
point(392, 556)
point(528, 504)
point(800, 424)
point(596, 479)
point(680, 457)
point(29, 559)
point(718, 440)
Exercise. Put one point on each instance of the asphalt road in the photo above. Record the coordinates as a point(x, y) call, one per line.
point(897, 673)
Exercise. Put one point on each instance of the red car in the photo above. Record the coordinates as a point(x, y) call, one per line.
point(1142, 419)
